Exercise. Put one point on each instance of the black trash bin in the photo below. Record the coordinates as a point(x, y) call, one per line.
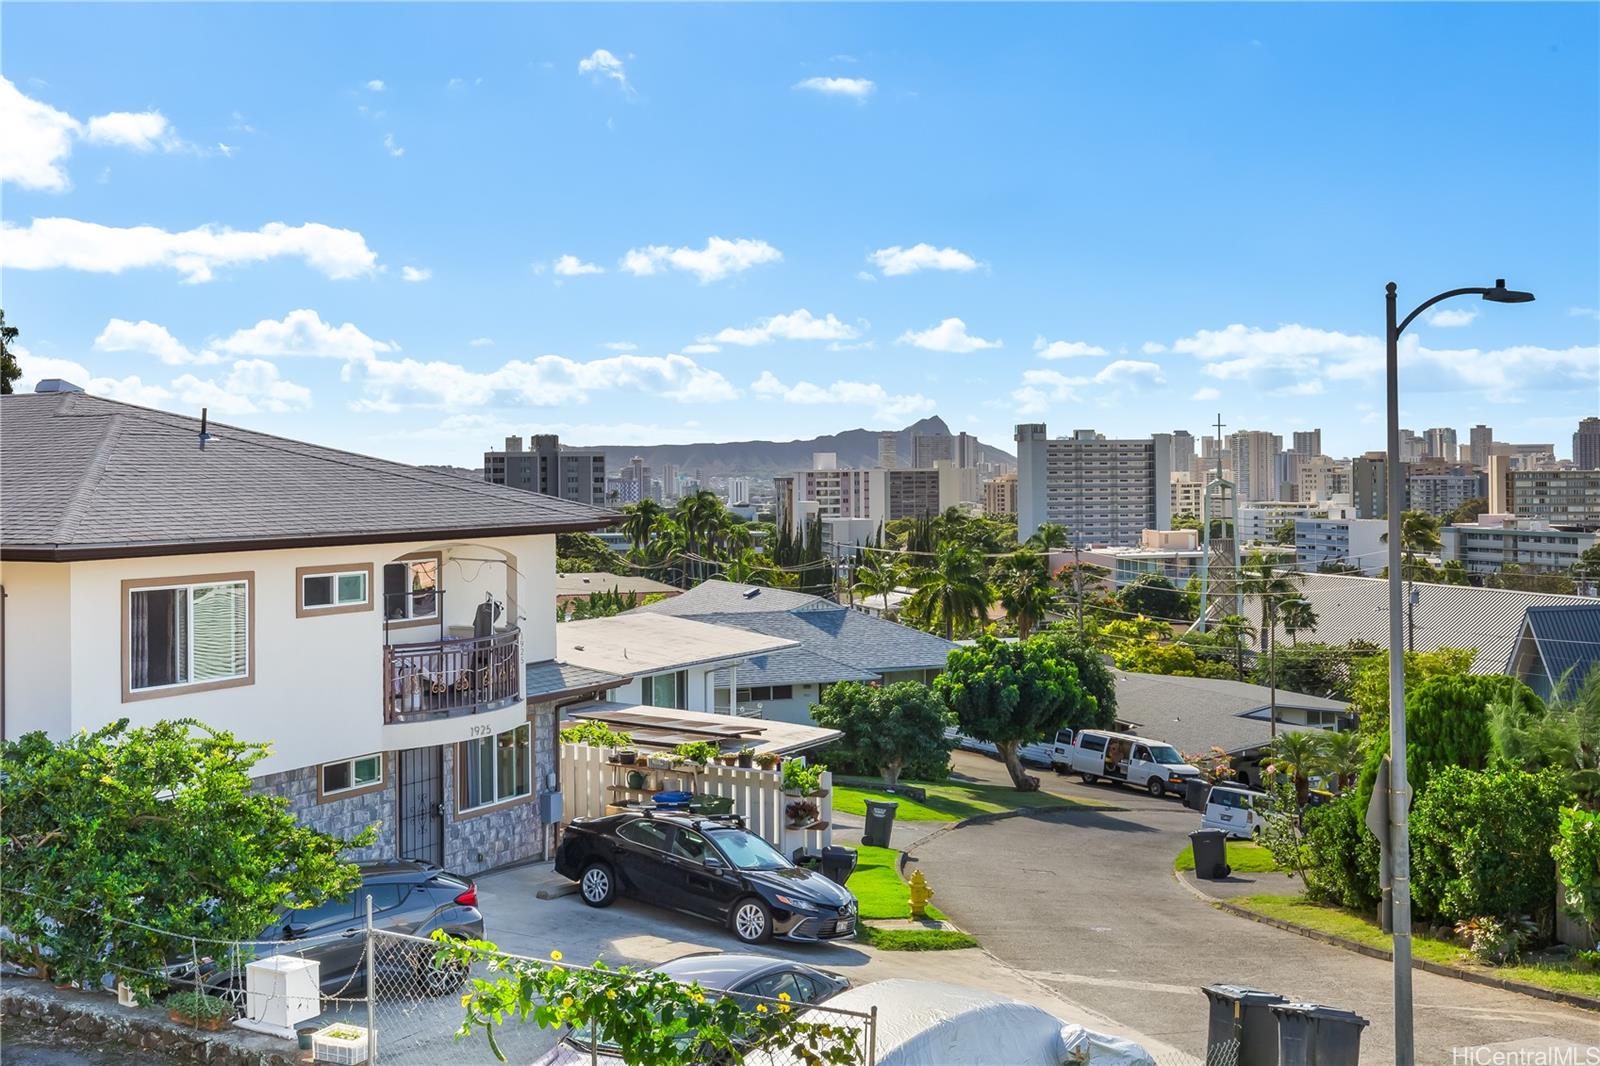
point(1210, 854)
point(1243, 1031)
point(1310, 1034)
point(880, 820)
point(810, 858)
point(1195, 791)
point(838, 863)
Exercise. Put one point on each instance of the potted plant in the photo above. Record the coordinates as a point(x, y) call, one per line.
point(767, 760)
point(660, 761)
point(211, 1013)
point(728, 758)
point(626, 756)
point(697, 753)
point(801, 813)
point(801, 780)
point(746, 757)
point(341, 1042)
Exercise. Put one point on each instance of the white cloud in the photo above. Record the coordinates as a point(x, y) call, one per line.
point(481, 342)
point(252, 387)
point(1206, 393)
point(896, 260)
point(857, 89)
point(120, 335)
point(303, 333)
point(853, 393)
point(66, 243)
point(1040, 388)
point(602, 64)
point(1065, 349)
point(621, 346)
point(570, 266)
point(414, 274)
point(800, 325)
point(392, 147)
point(1452, 316)
point(718, 259)
point(544, 381)
point(37, 368)
point(142, 131)
point(866, 275)
point(701, 349)
point(1152, 348)
point(1272, 360)
point(1584, 312)
point(37, 140)
point(376, 85)
point(948, 336)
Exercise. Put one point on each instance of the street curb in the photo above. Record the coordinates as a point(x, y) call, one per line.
point(567, 888)
point(1572, 999)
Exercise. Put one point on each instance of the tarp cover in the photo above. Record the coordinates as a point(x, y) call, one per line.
point(926, 1023)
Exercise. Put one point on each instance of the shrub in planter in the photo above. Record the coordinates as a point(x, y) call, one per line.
point(596, 735)
point(199, 1009)
point(802, 780)
point(746, 757)
point(801, 813)
point(1577, 855)
point(698, 751)
point(1481, 843)
point(766, 760)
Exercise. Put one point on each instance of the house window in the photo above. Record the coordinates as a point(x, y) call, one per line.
point(411, 589)
point(665, 690)
point(188, 634)
point(496, 769)
point(351, 774)
point(764, 692)
point(332, 590)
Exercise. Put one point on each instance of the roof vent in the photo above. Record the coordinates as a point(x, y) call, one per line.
point(57, 385)
point(750, 594)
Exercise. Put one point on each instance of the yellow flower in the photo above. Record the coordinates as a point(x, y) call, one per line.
point(783, 1008)
point(555, 956)
point(566, 1001)
point(784, 996)
point(611, 993)
point(466, 999)
point(761, 1008)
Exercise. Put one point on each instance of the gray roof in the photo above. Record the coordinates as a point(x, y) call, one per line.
point(582, 583)
point(86, 477)
point(549, 679)
point(1566, 638)
point(1196, 713)
point(836, 643)
point(1446, 616)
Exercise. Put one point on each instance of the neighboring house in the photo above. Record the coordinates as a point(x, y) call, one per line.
point(580, 586)
point(1556, 642)
point(830, 643)
point(385, 628)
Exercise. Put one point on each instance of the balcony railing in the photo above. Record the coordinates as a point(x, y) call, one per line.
point(446, 678)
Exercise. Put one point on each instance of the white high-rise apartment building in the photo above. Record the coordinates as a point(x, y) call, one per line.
point(1255, 463)
point(1481, 441)
point(1321, 479)
point(888, 450)
point(738, 492)
point(1103, 491)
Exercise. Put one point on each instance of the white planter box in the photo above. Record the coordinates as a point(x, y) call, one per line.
point(326, 1047)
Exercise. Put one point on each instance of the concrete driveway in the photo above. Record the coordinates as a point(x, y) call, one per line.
point(1086, 903)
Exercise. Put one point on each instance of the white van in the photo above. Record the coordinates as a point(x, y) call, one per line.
point(1153, 765)
point(1234, 810)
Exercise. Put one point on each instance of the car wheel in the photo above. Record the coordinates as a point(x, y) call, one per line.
point(751, 921)
point(1156, 787)
point(598, 885)
point(440, 978)
point(1088, 779)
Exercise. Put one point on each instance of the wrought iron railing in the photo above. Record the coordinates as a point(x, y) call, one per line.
point(443, 678)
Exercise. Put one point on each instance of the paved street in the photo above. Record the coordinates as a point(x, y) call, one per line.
point(1086, 903)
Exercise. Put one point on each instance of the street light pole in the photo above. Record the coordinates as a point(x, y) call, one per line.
point(1399, 788)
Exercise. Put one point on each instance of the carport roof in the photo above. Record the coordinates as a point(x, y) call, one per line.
point(1196, 713)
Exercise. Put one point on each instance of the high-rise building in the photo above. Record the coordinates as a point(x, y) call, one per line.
point(1560, 497)
point(1441, 493)
point(1308, 442)
point(966, 451)
point(928, 447)
point(669, 482)
point(1000, 495)
point(1286, 472)
point(1439, 443)
point(1182, 449)
point(1480, 440)
point(738, 492)
point(1412, 447)
point(1369, 485)
point(1321, 479)
point(888, 451)
point(913, 494)
point(637, 484)
point(1255, 463)
point(1104, 491)
point(549, 469)
point(1586, 445)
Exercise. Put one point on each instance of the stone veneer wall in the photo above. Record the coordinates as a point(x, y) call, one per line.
point(342, 818)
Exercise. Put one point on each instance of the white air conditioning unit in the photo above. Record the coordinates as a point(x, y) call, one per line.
point(280, 993)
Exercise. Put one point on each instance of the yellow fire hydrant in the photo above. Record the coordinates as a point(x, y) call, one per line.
point(920, 895)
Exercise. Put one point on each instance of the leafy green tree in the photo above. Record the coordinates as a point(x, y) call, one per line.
point(1094, 676)
point(639, 521)
point(952, 595)
point(1273, 585)
point(1341, 864)
point(585, 553)
point(1419, 533)
point(1283, 532)
point(890, 729)
point(1154, 596)
point(879, 574)
point(1014, 693)
point(1369, 687)
point(1339, 758)
point(1186, 520)
point(1468, 511)
point(602, 603)
point(9, 370)
point(1294, 753)
point(1297, 616)
point(1050, 536)
point(113, 832)
point(1310, 669)
point(1022, 580)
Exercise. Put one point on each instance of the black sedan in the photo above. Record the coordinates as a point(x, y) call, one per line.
point(712, 867)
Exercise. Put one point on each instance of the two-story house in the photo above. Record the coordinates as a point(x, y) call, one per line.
point(385, 628)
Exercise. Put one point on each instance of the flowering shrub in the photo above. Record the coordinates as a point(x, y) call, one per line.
point(1577, 855)
point(651, 1019)
point(1496, 940)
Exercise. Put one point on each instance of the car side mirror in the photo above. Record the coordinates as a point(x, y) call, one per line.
point(291, 931)
point(713, 863)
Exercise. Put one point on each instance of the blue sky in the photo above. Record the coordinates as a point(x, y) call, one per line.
point(349, 223)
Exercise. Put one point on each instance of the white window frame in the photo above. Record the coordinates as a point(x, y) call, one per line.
point(243, 677)
point(680, 689)
point(354, 785)
point(336, 603)
point(494, 749)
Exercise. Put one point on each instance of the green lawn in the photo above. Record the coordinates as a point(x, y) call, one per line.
point(1559, 977)
point(1243, 856)
point(950, 801)
point(883, 895)
point(917, 939)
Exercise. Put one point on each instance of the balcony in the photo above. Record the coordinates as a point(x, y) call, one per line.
point(451, 678)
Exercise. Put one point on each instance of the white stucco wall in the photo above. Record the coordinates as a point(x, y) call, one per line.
point(699, 694)
point(318, 693)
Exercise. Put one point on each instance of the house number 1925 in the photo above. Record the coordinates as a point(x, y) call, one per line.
point(480, 731)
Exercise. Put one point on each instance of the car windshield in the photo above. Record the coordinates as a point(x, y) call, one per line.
point(748, 851)
point(1166, 755)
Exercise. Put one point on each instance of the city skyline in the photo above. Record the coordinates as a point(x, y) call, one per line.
point(635, 227)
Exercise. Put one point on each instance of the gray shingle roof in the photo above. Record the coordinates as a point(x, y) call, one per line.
point(550, 678)
point(1195, 713)
point(87, 477)
point(836, 643)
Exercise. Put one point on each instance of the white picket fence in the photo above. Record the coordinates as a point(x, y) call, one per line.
point(586, 780)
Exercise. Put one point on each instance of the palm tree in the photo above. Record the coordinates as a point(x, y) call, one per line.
point(879, 575)
point(1339, 757)
point(1419, 533)
point(639, 520)
point(1297, 616)
point(1050, 535)
point(1259, 576)
point(951, 592)
point(1295, 754)
point(1026, 592)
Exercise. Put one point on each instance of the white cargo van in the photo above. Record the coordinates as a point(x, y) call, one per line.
point(1153, 765)
point(1234, 810)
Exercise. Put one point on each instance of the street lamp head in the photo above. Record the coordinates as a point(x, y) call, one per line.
point(1502, 295)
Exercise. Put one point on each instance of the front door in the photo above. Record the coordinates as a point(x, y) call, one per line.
point(422, 804)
